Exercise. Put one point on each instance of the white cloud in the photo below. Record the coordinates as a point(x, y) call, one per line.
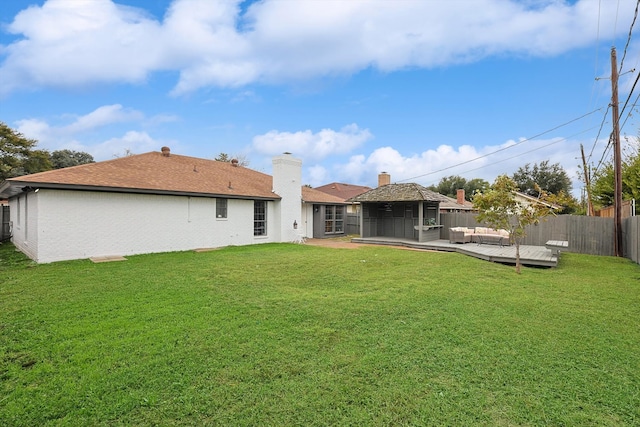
point(132, 141)
point(82, 132)
point(430, 166)
point(74, 43)
point(48, 135)
point(312, 146)
point(103, 116)
point(210, 44)
point(35, 129)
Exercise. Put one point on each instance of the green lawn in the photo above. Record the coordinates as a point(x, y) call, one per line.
point(300, 335)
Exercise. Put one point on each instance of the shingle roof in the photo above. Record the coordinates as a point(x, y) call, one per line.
point(452, 203)
point(343, 191)
point(311, 195)
point(400, 193)
point(156, 173)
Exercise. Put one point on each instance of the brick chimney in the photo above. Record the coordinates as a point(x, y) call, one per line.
point(166, 151)
point(460, 196)
point(384, 179)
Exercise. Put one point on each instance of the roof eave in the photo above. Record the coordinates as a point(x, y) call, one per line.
point(19, 185)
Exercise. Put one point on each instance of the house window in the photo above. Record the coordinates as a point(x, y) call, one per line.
point(430, 215)
point(221, 208)
point(334, 219)
point(259, 218)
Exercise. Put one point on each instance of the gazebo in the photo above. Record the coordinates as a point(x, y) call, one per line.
point(400, 211)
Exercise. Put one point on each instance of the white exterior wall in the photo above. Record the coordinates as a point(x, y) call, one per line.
point(78, 224)
point(287, 183)
point(24, 214)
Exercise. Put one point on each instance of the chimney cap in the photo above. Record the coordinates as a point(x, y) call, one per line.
point(166, 151)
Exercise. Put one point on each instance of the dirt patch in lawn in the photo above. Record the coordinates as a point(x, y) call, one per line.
point(346, 243)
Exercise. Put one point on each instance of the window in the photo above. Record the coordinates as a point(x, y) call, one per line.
point(259, 218)
point(334, 219)
point(221, 208)
point(430, 214)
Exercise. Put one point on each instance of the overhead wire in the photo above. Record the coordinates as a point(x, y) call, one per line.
point(624, 54)
point(626, 46)
point(604, 153)
point(604, 119)
point(593, 87)
point(632, 106)
point(504, 148)
point(530, 151)
point(627, 101)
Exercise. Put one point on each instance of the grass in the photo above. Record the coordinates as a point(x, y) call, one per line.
point(300, 335)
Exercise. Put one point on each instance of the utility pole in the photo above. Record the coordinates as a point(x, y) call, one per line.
point(617, 162)
point(587, 181)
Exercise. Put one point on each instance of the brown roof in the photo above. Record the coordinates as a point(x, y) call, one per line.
point(400, 193)
point(311, 195)
point(343, 191)
point(452, 203)
point(155, 173)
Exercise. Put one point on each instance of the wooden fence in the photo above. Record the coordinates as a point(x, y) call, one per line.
point(353, 223)
point(631, 238)
point(585, 234)
point(626, 210)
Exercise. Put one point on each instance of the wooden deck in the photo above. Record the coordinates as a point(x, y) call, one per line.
point(529, 255)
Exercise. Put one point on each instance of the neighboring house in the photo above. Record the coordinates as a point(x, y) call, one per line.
point(459, 204)
point(345, 192)
point(527, 200)
point(327, 213)
point(400, 211)
point(155, 202)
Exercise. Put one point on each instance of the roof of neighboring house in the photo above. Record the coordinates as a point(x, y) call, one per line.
point(534, 200)
point(400, 193)
point(154, 173)
point(311, 195)
point(343, 191)
point(452, 203)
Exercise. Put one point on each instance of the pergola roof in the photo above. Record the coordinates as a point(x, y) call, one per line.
point(399, 193)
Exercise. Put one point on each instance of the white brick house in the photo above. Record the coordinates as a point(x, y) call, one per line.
point(154, 202)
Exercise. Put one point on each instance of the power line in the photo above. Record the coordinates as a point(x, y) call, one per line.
point(634, 104)
point(504, 148)
point(615, 23)
point(624, 53)
point(604, 118)
point(593, 87)
point(629, 97)
point(530, 151)
point(604, 153)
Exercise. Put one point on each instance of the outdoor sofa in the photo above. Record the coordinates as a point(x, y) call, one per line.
point(479, 235)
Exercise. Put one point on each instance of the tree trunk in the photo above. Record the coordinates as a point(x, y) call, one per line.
point(517, 255)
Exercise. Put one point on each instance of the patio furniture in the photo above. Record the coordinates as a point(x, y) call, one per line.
point(492, 239)
point(556, 246)
point(479, 235)
point(460, 235)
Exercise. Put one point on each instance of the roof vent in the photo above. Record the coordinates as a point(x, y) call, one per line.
point(166, 151)
point(234, 162)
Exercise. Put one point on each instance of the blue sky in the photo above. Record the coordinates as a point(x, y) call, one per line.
point(420, 89)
